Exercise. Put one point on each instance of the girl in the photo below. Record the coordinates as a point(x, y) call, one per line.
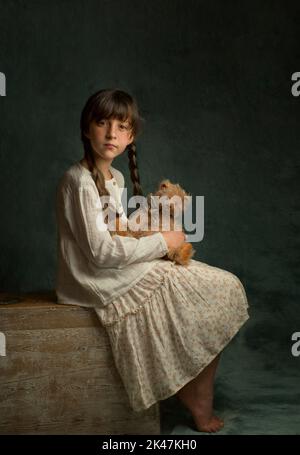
point(167, 323)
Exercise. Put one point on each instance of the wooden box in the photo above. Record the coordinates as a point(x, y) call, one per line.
point(58, 375)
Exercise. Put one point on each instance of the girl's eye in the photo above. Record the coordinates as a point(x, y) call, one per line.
point(121, 126)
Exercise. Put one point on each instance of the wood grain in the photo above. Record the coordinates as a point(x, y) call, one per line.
point(59, 376)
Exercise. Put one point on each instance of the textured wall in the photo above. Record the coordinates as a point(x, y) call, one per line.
point(213, 81)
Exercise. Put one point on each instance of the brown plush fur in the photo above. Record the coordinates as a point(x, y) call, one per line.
point(181, 255)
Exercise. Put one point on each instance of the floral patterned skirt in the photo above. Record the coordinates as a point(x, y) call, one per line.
point(170, 325)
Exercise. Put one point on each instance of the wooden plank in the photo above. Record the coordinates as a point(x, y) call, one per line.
point(38, 352)
point(59, 377)
point(31, 317)
point(70, 404)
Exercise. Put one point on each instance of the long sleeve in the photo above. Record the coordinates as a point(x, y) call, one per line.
point(84, 216)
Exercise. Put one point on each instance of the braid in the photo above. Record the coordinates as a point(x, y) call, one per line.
point(96, 174)
point(134, 173)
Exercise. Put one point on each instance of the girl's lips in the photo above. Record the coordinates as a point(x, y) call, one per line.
point(110, 145)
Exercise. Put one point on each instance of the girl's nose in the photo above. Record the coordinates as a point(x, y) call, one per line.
point(111, 131)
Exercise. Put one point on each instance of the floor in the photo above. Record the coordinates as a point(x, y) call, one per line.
point(256, 392)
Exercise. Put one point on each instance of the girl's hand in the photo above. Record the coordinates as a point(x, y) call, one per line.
point(174, 238)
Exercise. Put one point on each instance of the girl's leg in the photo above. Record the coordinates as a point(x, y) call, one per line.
point(197, 395)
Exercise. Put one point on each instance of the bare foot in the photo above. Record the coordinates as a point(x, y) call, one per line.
point(203, 415)
point(197, 395)
point(201, 409)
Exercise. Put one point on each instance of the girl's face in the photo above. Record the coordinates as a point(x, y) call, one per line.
point(109, 137)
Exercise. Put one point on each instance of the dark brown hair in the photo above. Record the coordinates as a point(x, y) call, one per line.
point(106, 104)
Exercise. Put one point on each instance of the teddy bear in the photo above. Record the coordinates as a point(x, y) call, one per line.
point(153, 213)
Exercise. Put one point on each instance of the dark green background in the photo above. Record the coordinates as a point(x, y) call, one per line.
point(213, 82)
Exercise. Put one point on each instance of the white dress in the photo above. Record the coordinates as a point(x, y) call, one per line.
point(167, 325)
point(92, 267)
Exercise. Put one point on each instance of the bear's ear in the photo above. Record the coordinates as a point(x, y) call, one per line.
point(164, 184)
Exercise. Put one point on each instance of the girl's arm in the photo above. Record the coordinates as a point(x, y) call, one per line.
point(84, 216)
